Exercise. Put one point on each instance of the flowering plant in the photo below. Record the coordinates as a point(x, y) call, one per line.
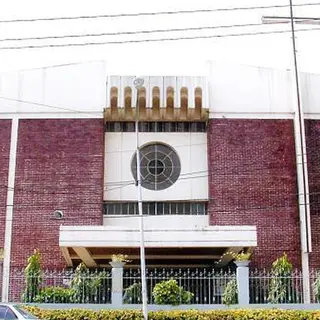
point(120, 258)
point(240, 256)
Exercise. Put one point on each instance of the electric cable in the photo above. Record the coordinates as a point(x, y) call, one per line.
point(152, 40)
point(139, 14)
point(136, 32)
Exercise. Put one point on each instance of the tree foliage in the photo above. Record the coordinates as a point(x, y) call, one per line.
point(33, 277)
point(280, 284)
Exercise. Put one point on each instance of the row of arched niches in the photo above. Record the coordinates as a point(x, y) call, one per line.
point(159, 99)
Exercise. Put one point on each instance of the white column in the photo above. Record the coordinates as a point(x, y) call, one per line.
point(243, 282)
point(117, 283)
point(303, 188)
point(9, 211)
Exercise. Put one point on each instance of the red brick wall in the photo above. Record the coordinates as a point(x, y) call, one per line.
point(313, 151)
point(5, 133)
point(252, 181)
point(59, 166)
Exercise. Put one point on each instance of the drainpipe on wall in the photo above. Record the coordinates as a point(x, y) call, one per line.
point(302, 172)
point(9, 211)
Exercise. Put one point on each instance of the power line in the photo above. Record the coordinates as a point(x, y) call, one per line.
point(136, 32)
point(47, 105)
point(45, 189)
point(151, 40)
point(139, 14)
point(215, 207)
point(120, 184)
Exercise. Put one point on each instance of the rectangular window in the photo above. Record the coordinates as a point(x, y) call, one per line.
point(156, 126)
point(156, 208)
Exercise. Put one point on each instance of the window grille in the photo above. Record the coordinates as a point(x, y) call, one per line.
point(156, 208)
point(156, 126)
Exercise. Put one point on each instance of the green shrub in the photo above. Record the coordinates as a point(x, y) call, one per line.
point(33, 277)
point(168, 292)
point(55, 295)
point(238, 314)
point(133, 294)
point(281, 288)
point(316, 287)
point(89, 287)
point(230, 294)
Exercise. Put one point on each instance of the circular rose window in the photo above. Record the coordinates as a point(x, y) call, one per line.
point(159, 166)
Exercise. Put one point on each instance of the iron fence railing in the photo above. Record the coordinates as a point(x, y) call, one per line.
point(266, 287)
point(65, 286)
point(206, 285)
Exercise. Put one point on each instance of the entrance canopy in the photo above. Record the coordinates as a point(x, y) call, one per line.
point(174, 246)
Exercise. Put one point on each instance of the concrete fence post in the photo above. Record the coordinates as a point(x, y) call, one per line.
point(243, 282)
point(117, 283)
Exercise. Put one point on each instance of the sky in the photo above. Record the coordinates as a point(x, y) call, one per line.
point(187, 57)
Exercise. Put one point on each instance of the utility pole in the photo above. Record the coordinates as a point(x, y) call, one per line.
point(138, 83)
point(301, 151)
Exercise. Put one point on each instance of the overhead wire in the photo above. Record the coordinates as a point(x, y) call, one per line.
point(140, 14)
point(183, 176)
point(214, 203)
point(135, 32)
point(48, 105)
point(61, 45)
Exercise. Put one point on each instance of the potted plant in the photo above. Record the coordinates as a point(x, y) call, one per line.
point(241, 259)
point(119, 260)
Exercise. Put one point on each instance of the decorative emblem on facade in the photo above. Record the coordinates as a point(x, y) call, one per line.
point(159, 166)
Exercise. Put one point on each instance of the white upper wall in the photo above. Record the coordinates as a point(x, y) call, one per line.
point(246, 91)
point(67, 89)
point(254, 92)
point(80, 90)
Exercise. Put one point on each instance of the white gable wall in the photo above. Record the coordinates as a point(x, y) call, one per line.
point(79, 90)
point(67, 89)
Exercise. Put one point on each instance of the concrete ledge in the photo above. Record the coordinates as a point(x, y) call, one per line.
point(115, 236)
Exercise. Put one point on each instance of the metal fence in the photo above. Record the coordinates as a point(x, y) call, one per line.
point(266, 287)
point(66, 286)
point(206, 285)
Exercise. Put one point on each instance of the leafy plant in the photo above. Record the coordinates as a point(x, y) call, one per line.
point(55, 295)
point(133, 294)
point(33, 277)
point(120, 258)
point(240, 256)
point(280, 283)
point(88, 286)
point(230, 294)
point(169, 292)
point(316, 287)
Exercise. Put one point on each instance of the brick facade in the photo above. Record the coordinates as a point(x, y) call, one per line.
point(312, 128)
point(252, 181)
point(59, 166)
point(5, 133)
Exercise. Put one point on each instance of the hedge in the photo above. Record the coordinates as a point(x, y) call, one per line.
point(236, 314)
